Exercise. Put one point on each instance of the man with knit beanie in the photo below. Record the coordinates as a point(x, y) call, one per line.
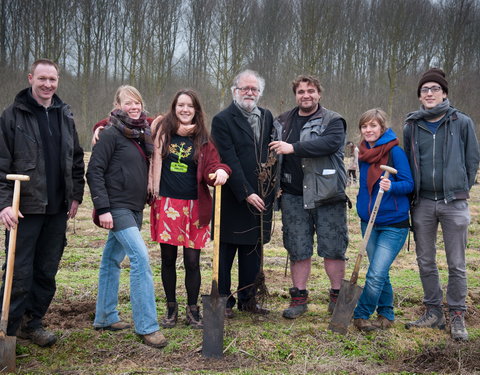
point(443, 151)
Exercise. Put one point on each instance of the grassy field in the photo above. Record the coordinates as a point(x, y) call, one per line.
point(253, 345)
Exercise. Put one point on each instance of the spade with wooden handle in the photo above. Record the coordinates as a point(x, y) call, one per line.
point(350, 292)
point(214, 304)
point(8, 343)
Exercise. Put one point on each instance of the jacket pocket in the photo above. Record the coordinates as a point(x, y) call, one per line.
point(326, 184)
point(22, 166)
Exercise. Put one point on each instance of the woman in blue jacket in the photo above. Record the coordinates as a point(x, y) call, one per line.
point(379, 146)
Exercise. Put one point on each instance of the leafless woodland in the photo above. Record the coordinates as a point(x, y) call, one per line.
point(367, 53)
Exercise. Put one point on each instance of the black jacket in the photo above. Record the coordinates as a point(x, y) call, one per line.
point(22, 152)
point(233, 136)
point(117, 173)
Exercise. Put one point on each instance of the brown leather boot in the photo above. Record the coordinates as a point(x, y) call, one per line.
point(382, 323)
point(194, 318)
point(364, 325)
point(154, 339)
point(171, 315)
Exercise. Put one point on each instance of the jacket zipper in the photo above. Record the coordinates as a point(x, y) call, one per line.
point(48, 121)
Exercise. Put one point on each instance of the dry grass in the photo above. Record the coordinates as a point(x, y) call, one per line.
point(266, 345)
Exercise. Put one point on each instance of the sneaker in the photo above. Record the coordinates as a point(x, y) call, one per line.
point(154, 339)
point(39, 336)
point(432, 318)
point(171, 316)
point(333, 300)
point(364, 325)
point(229, 314)
point(298, 304)
point(382, 323)
point(194, 318)
point(118, 326)
point(457, 325)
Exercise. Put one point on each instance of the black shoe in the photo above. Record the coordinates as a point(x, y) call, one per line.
point(39, 336)
point(229, 314)
point(253, 309)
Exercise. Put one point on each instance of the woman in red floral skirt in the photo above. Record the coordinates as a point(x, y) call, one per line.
point(183, 158)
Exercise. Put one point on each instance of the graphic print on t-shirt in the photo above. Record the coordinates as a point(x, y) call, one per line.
point(182, 153)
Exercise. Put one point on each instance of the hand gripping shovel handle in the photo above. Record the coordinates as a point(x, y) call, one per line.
point(12, 242)
point(363, 250)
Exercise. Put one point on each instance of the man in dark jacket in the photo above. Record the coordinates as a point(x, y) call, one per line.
point(442, 149)
point(242, 133)
point(313, 180)
point(38, 138)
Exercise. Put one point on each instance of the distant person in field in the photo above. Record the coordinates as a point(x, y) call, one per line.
point(184, 156)
point(242, 132)
point(351, 162)
point(313, 200)
point(379, 146)
point(38, 138)
point(117, 175)
point(443, 151)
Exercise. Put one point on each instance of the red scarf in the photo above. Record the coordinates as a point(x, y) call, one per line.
point(375, 156)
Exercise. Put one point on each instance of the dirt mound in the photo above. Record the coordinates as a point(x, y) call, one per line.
point(451, 358)
point(70, 314)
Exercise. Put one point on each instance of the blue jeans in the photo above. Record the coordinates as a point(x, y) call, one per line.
point(383, 247)
point(127, 242)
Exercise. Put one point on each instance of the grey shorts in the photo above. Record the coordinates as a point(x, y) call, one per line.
point(329, 222)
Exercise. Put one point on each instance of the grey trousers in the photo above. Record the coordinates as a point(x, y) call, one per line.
point(454, 218)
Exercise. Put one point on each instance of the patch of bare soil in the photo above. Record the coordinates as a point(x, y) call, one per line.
point(452, 358)
point(70, 314)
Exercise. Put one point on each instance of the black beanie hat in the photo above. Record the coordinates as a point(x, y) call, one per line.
point(433, 75)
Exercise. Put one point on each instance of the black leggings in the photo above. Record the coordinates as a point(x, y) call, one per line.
point(191, 261)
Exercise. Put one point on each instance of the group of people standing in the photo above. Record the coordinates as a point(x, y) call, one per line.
point(170, 161)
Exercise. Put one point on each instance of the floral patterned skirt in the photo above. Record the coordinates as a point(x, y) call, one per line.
point(176, 222)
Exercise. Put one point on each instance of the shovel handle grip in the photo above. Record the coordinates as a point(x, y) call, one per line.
point(12, 244)
point(363, 250)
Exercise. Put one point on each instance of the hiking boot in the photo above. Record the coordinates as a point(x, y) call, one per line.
point(229, 314)
point(194, 318)
point(382, 323)
point(171, 316)
point(432, 318)
point(154, 339)
point(364, 325)
point(298, 304)
point(333, 300)
point(39, 336)
point(457, 325)
point(118, 326)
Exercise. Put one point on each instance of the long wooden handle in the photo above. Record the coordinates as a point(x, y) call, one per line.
point(12, 243)
point(216, 235)
point(363, 250)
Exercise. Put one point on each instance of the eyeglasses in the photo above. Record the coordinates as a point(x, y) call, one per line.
point(433, 89)
point(245, 90)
